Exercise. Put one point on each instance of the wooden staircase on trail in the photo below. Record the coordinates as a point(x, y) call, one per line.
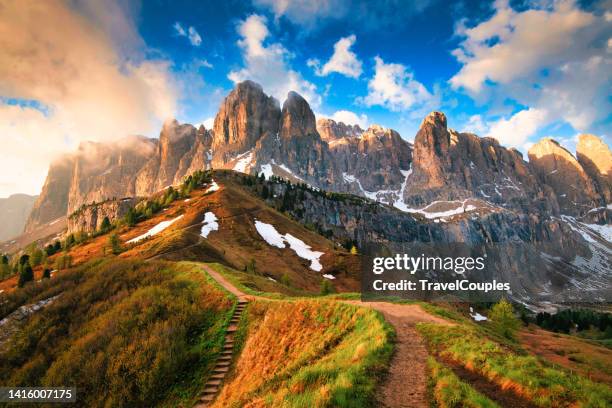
point(222, 367)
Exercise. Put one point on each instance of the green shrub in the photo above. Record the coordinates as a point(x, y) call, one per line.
point(503, 319)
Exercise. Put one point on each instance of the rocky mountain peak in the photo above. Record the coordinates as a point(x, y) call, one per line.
point(245, 115)
point(330, 130)
point(431, 159)
point(297, 119)
point(436, 119)
point(559, 169)
point(595, 157)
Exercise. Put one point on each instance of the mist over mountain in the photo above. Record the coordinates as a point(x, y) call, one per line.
point(14, 211)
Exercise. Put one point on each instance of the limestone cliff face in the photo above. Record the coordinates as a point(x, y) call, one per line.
point(376, 158)
point(596, 159)
point(331, 130)
point(198, 157)
point(559, 169)
point(245, 116)
point(449, 165)
point(301, 147)
point(89, 218)
point(107, 170)
point(52, 202)
point(175, 141)
point(253, 134)
point(431, 158)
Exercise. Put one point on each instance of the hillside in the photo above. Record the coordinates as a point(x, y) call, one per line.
point(124, 332)
point(290, 347)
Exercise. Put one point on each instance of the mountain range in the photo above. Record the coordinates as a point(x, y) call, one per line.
point(447, 186)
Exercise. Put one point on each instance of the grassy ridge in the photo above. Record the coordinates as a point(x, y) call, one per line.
point(526, 375)
point(124, 332)
point(309, 353)
point(449, 391)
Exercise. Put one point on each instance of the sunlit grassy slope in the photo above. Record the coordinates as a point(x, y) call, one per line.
point(309, 353)
point(124, 332)
point(543, 384)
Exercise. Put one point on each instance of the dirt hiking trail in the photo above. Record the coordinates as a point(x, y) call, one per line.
point(405, 386)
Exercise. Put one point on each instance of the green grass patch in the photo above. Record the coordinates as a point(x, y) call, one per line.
point(544, 384)
point(124, 332)
point(448, 391)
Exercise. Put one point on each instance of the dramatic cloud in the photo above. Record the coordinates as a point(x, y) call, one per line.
point(66, 80)
point(373, 15)
point(554, 59)
point(515, 130)
point(343, 61)
point(191, 33)
point(394, 87)
point(511, 131)
point(351, 118)
point(268, 64)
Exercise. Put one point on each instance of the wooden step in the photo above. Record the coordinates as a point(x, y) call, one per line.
point(225, 358)
point(207, 398)
point(222, 364)
point(218, 376)
point(214, 383)
point(227, 352)
point(218, 370)
point(210, 390)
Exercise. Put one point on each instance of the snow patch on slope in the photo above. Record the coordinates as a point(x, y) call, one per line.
point(213, 187)
point(274, 238)
point(477, 316)
point(155, 230)
point(244, 160)
point(209, 224)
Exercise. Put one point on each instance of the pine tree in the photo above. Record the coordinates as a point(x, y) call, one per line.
point(326, 287)
point(26, 275)
point(115, 244)
point(37, 256)
point(503, 319)
point(106, 224)
point(131, 217)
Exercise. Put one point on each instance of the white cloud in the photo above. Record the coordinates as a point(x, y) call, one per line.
point(476, 124)
point(552, 57)
point(518, 128)
point(78, 75)
point(194, 37)
point(208, 123)
point(179, 29)
point(394, 87)
point(191, 33)
point(343, 61)
point(351, 118)
point(268, 64)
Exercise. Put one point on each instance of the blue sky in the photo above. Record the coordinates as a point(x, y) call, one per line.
point(516, 71)
point(421, 38)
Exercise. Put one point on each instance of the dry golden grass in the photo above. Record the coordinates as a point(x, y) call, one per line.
point(308, 353)
point(588, 359)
